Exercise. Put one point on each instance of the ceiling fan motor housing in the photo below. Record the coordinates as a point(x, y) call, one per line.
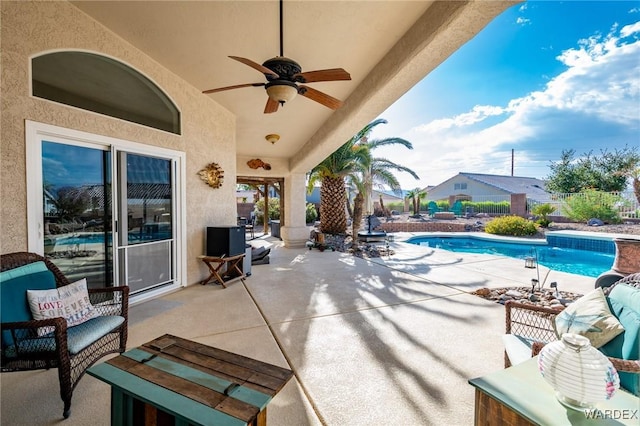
point(286, 68)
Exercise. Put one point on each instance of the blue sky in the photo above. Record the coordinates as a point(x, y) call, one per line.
point(542, 77)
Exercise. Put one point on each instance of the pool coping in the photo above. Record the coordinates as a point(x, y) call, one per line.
point(474, 235)
point(592, 235)
point(406, 236)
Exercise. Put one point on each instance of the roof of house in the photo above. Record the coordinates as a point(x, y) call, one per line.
point(533, 187)
point(390, 194)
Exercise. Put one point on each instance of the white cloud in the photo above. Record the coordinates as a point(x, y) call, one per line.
point(598, 90)
point(627, 30)
point(522, 21)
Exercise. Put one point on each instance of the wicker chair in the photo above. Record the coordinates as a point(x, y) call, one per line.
point(89, 341)
point(535, 324)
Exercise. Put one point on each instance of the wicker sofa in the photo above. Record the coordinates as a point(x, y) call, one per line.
point(530, 327)
point(69, 349)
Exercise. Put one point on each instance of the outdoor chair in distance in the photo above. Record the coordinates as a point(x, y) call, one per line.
point(457, 208)
point(29, 344)
point(248, 224)
point(432, 208)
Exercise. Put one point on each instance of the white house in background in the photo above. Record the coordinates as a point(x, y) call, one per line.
point(387, 197)
point(245, 196)
point(470, 186)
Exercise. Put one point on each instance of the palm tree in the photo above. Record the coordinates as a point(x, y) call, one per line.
point(415, 195)
point(379, 172)
point(375, 171)
point(332, 171)
point(354, 161)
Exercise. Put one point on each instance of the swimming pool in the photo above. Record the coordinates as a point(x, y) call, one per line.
point(563, 259)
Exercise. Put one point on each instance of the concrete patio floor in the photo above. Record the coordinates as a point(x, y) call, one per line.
point(390, 340)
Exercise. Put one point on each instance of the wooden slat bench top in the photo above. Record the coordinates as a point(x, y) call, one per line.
point(200, 383)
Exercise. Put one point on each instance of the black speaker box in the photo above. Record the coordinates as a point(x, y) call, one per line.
point(227, 240)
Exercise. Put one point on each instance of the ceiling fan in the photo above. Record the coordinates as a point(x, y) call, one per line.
point(284, 76)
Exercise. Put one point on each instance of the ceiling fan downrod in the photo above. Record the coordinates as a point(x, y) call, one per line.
point(281, 30)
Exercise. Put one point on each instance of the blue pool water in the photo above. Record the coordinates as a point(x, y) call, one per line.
point(574, 261)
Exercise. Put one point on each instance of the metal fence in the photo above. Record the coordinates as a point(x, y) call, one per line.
point(493, 205)
point(625, 203)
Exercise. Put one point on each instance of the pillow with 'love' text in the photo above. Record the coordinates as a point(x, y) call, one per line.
point(70, 302)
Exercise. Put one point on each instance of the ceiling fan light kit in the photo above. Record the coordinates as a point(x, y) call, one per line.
point(283, 75)
point(281, 91)
point(273, 138)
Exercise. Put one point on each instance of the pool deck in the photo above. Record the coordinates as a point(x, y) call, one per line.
point(388, 340)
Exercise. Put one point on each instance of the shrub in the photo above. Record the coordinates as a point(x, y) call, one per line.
point(443, 205)
point(543, 210)
point(511, 225)
point(592, 204)
point(311, 214)
point(274, 209)
point(500, 207)
point(396, 206)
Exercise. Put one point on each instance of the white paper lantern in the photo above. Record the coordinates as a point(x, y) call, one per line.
point(580, 374)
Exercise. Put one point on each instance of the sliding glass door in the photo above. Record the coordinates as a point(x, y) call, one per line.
point(76, 199)
point(106, 210)
point(146, 239)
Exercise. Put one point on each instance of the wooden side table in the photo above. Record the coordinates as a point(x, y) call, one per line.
point(519, 396)
point(232, 269)
point(171, 380)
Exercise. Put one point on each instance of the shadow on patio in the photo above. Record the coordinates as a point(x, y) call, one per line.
point(379, 341)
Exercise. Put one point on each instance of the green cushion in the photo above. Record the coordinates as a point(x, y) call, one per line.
point(14, 284)
point(79, 337)
point(624, 302)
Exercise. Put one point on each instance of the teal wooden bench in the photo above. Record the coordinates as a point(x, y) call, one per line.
point(172, 380)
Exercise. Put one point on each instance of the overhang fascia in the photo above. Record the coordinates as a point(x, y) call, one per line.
point(438, 33)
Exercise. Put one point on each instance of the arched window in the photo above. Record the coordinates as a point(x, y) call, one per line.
point(103, 85)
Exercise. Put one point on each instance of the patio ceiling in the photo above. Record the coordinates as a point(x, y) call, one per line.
point(386, 46)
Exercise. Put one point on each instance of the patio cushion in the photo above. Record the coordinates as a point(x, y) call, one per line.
point(70, 302)
point(79, 337)
point(624, 301)
point(14, 284)
point(518, 348)
point(590, 317)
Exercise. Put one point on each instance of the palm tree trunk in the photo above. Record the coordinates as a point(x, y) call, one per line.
point(358, 203)
point(333, 217)
point(636, 188)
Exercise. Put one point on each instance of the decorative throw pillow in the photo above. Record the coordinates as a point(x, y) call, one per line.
point(70, 302)
point(590, 317)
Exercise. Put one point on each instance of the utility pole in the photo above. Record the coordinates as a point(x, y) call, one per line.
point(512, 151)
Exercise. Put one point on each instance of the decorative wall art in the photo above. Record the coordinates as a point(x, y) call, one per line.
point(212, 175)
point(257, 163)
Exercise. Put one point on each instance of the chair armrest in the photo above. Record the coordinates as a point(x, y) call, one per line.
point(532, 324)
point(536, 347)
point(110, 300)
point(624, 365)
point(25, 334)
point(521, 317)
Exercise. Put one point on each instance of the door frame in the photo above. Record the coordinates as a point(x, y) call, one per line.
point(35, 132)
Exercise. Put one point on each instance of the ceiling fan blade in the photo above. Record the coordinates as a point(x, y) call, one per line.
point(237, 86)
point(255, 66)
point(320, 97)
point(333, 74)
point(271, 106)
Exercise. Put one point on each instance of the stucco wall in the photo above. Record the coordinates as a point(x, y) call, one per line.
point(474, 188)
point(208, 130)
